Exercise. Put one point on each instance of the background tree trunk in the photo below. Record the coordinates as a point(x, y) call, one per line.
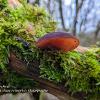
point(78, 7)
point(61, 14)
point(97, 31)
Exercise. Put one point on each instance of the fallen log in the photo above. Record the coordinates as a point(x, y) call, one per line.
point(32, 72)
point(20, 67)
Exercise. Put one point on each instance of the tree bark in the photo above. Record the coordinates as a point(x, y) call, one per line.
point(61, 14)
point(78, 7)
point(97, 30)
point(48, 6)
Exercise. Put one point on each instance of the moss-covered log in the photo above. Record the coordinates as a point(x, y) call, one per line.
point(20, 67)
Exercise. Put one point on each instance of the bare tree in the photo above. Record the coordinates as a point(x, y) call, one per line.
point(61, 14)
point(51, 6)
point(84, 17)
point(97, 31)
point(78, 6)
point(48, 6)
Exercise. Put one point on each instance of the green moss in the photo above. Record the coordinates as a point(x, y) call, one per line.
point(73, 67)
point(14, 23)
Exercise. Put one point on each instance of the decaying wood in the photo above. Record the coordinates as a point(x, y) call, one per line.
point(21, 68)
point(81, 49)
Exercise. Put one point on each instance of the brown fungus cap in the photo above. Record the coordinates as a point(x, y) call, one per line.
point(61, 41)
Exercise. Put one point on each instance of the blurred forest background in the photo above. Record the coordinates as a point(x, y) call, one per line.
point(80, 17)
